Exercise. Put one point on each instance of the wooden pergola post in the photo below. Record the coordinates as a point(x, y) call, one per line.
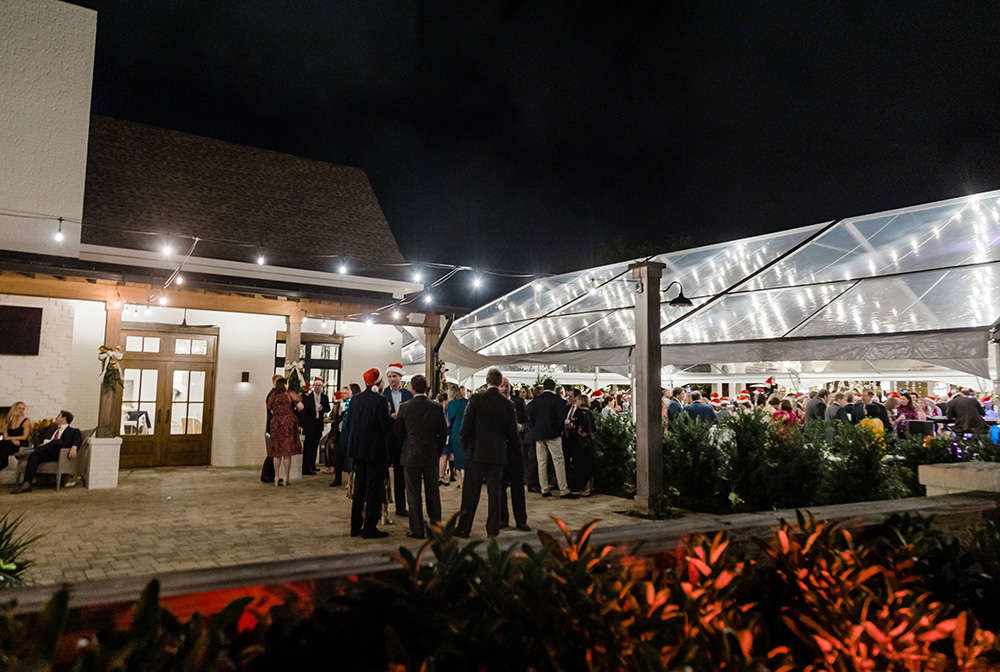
point(646, 395)
point(107, 416)
point(293, 338)
point(431, 336)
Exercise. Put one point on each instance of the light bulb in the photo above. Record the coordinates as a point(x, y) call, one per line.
point(323, 324)
point(417, 277)
point(260, 260)
point(428, 298)
point(59, 236)
point(342, 269)
point(135, 312)
point(179, 280)
point(167, 250)
point(477, 283)
point(147, 311)
point(395, 314)
point(118, 304)
point(163, 300)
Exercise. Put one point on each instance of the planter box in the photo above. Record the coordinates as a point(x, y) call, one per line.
point(950, 479)
point(102, 463)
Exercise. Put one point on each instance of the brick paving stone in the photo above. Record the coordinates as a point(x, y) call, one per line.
point(161, 520)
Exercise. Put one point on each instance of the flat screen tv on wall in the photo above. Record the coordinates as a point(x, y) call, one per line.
point(20, 330)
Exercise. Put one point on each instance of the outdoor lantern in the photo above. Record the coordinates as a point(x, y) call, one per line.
point(245, 377)
point(679, 301)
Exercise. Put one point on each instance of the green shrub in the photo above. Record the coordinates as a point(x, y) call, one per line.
point(13, 544)
point(614, 444)
point(694, 466)
point(856, 471)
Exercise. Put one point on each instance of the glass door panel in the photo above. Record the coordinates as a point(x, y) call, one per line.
point(188, 439)
point(138, 409)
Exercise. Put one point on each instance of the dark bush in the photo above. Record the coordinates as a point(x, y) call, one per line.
point(614, 445)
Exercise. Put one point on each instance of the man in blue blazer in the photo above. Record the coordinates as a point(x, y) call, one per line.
point(59, 437)
point(700, 410)
point(396, 395)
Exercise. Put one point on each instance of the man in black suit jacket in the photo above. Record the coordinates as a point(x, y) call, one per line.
point(816, 408)
point(489, 427)
point(366, 445)
point(861, 410)
point(315, 406)
point(513, 471)
point(59, 437)
point(547, 413)
point(396, 395)
point(421, 428)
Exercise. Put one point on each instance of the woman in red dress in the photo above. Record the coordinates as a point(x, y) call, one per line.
point(284, 406)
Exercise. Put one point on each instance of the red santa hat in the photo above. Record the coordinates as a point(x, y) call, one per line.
point(714, 395)
point(338, 395)
point(596, 393)
point(987, 399)
point(317, 379)
point(743, 398)
point(770, 381)
point(372, 376)
point(746, 392)
point(724, 400)
point(394, 368)
point(894, 395)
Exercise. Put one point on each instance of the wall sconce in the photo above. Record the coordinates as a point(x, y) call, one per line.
point(245, 377)
point(679, 301)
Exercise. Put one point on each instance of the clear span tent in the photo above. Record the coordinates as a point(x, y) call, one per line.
point(918, 283)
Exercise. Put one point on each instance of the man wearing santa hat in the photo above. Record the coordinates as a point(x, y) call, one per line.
point(366, 445)
point(395, 394)
point(315, 406)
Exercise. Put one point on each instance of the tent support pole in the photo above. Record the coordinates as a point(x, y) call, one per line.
point(646, 392)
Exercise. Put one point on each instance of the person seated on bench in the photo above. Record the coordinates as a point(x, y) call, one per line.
point(59, 437)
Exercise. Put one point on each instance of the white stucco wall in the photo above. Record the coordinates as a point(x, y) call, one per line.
point(64, 374)
point(46, 70)
point(365, 346)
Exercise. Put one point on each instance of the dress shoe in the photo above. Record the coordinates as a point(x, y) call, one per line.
point(402, 514)
point(355, 533)
point(414, 536)
point(374, 534)
point(444, 484)
point(569, 495)
point(337, 483)
point(523, 527)
point(21, 455)
point(504, 526)
point(21, 489)
point(546, 494)
point(309, 473)
point(535, 490)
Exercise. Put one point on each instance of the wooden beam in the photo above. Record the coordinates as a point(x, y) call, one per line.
point(192, 299)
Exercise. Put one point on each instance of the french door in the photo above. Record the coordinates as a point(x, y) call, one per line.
point(166, 399)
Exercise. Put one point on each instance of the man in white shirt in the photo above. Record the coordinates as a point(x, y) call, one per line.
point(315, 406)
point(59, 437)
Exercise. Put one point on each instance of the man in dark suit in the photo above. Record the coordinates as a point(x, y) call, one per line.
point(547, 414)
point(816, 408)
point(421, 428)
point(966, 413)
point(675, 407)
point(699, 410)
point(489, 427)
point(59, 437)
point(396, 395)
point(860, 411)
point(513, 471)
point(366, 445)
point(315, 406)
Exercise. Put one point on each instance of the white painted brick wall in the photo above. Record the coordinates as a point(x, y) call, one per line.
point(41, 382)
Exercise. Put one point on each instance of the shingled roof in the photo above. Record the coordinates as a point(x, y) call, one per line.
point(142, 179)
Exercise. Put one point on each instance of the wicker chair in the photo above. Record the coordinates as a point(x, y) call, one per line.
point(64, 466)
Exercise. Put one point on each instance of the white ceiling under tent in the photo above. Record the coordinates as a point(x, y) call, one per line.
point(919, 283)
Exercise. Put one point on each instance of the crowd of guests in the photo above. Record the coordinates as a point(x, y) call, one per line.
point(396, 447)
point(959, 411)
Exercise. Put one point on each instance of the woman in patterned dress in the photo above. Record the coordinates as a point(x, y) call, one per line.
point(284, 406)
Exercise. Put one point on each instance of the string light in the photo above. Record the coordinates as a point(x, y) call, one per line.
point(167, 250)
point(147, 311)
point(342, 269)
point(260, 260)
point(428, 299)
point(477, 282)
point(59, 233)
point(418, 276)
point(118, 304)
point(323, 324)
point(135, 311)
point(163, 300)
point(179, 280)
point(395, 314)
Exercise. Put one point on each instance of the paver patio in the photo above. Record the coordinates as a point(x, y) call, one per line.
point(161, 520)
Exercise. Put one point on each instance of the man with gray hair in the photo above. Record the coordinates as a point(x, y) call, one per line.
point(547, 414)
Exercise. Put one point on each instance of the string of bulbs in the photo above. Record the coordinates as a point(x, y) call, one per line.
point(342, 267)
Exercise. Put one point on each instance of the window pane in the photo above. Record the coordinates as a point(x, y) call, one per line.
point(133, 343)
point(197, 386)
point(130, 385)
point(324, 351)
point(182, 346)
point(302, 351)
point(279, 350)
point(151, 344)
point(178, 417)
point(147, 390)
point(134, 421)
point(195, 418)
point(279, 371)
point(199, 346)
point(180, 386)
point(147, 411)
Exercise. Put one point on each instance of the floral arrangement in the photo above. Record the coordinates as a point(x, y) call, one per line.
point(38, 431)
point(111, 372)
point(296, 383)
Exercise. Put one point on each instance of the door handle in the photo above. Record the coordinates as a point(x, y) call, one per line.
point(168, 416)
point(158, 415)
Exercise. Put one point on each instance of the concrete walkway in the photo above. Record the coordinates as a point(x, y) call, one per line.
point(162, 520)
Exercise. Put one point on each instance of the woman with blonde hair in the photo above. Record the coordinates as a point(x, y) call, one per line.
point(454, 414)
point(15, 431)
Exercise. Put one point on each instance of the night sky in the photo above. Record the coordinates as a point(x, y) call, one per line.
point(530, 135)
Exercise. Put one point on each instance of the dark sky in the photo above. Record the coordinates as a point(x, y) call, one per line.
point(528, 135)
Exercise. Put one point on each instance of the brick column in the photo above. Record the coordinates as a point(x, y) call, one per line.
point(646, 395)
point(107, 414)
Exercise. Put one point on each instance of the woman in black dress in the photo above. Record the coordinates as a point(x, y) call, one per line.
point(585, 460)
point(15, 433)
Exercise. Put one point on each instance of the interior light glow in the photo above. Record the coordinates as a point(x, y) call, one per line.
point(179, 280)
point(163, 300)
point(260, 260)
point(342, 269)
point(147, 311)
point(167, 250)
